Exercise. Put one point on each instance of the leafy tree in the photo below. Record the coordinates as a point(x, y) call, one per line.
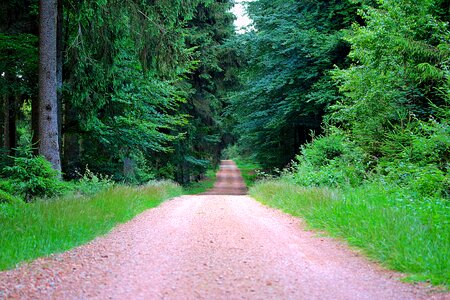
point(286, 87)
point(401, 57)
point(203, 141)
point(122, 92)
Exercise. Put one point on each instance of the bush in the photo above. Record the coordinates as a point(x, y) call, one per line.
point(7, 186)
point(33, 176)
point(323, 150)
point(329, 161)
point(91, 183)
point(417, 156)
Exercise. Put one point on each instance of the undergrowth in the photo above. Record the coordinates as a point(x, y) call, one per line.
point(406, 235)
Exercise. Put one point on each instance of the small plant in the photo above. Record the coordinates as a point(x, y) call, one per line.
point(33, 176)
point(91, 183)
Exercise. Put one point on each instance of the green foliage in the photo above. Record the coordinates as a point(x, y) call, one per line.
point(19, 57)
point(122, 88)
point(214, 74)
point(393, 118)
point(409, 236)
point(28, 231)
point(91, 183)
point(148, 97)
point(331, 160)
point(400, 60)
point(285, 82)
point(6, 197)
point(33, 176)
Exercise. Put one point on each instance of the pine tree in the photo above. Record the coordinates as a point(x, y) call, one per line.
point(48, 103)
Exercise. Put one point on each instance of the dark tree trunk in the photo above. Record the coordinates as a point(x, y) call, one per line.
point(10, 130)
point(35, 124)
point(59, 69)
point(71, 151)
point(129, 168)
point(48, 100)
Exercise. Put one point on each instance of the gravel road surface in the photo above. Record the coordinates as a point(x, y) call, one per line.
point(209, 247)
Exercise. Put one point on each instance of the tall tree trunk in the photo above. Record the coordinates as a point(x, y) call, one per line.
point(71, 150)
point(48, 101)
point(59, 69)
point(35, 124)
point(10, 130)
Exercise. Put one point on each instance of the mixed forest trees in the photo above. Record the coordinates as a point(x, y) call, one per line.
point(130, 89)
point(368, 81)
point(158, 89)
point(286, 84)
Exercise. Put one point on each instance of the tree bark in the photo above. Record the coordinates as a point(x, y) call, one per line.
point(35, 125)
point(10, 130)
point(129, 166)
point(48, 101)
point(59, 69)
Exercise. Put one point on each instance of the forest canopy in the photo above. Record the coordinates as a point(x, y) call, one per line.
point(139, 85)
point(338, 91)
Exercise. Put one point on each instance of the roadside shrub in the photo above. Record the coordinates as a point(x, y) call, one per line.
point(329, 161)
point(91, 183)
point(33, 176)
point(324, 149)
point(423, 181)
point(417, 156)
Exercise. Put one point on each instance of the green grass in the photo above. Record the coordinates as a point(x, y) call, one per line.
point(248, 171)
point(202, 185)
point(403, 236)
point(28, 231)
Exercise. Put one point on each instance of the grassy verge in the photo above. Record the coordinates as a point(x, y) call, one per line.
point(248, 171)
point(202, 185)
point(28, 231)
point(401, 236)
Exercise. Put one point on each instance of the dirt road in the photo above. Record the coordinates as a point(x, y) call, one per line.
point(209, 247)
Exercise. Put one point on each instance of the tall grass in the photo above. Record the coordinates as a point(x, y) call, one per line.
point(414, 239)
point(28, 231)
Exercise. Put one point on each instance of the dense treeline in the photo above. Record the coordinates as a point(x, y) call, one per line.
point(140, 87)
point(369, 81)
point(286, 86)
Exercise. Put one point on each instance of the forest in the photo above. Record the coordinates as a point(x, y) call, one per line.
point(343, 106)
